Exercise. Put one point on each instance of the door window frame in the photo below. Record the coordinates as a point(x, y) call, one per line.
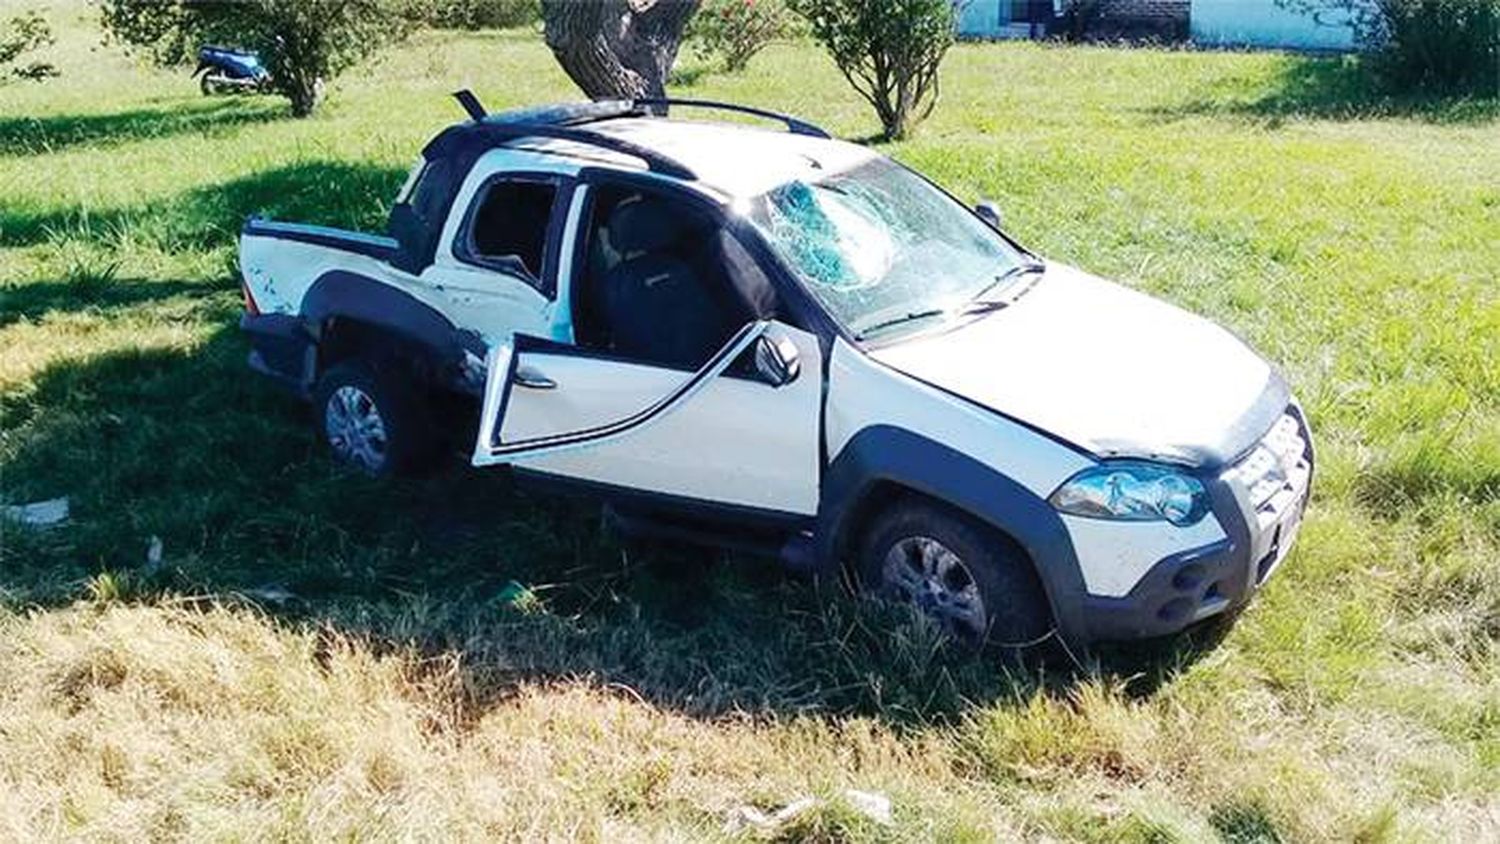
point(795, 305)
point(545, 281)
point(798, 307)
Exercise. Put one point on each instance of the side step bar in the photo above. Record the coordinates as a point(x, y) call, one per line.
point(795, 552)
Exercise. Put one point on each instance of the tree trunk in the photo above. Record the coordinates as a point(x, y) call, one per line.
point(304, 94)
point(617, 48)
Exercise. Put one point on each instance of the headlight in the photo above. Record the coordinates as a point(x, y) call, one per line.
point(1135, 492)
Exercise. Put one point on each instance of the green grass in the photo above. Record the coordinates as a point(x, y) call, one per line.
point(322, 656)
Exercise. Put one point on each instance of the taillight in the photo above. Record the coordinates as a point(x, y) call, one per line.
point(250, 307)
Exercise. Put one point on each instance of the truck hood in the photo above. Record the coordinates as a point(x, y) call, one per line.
point(1105, 368)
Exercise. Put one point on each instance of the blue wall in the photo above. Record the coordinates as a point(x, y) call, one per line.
point(1262, 23)
point(981, 19)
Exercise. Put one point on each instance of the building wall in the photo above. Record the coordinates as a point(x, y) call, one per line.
point(1238, 23)
point(1262, 23)
point(990, 19)
point(1165, 20)
point(1159, 19)
point(979, 19)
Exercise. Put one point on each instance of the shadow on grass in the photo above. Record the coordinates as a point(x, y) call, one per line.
point(1333, 88)
point(41, 135)
point(188, 447)
point(321, 192)
point(1244, 823)
point(88, 291)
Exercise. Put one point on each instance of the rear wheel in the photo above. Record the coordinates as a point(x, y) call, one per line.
point(973, 581)
point(373, 419)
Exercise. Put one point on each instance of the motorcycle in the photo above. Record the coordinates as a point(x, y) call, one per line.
point(226, 71)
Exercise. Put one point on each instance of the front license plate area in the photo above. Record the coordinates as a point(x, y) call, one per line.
point(1281, 541)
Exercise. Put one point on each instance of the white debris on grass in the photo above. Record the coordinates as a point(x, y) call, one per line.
point(153, 555)
point(269, 594)
point(876, 807)
point(38, 513)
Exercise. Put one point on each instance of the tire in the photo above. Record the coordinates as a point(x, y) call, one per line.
point(921, 553)
point(206, 85)
point(374, 419)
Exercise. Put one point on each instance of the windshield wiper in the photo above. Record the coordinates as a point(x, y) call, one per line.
point(911, 316)
point(984, 306)
point(980, 305)
point(976, 303)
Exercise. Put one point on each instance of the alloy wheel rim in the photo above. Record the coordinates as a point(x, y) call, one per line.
point(924, 572)
point(355, 429)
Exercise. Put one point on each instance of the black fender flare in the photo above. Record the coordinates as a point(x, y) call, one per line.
point(340, 294)
point(882, 454)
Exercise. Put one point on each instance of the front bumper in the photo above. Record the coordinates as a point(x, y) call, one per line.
point(1261, 522)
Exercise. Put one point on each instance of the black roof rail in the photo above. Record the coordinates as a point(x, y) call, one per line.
point(562, 122)
point(559, 122)
point(567, 114)
point(793, 124)
point(655, 161)
point(470, 103)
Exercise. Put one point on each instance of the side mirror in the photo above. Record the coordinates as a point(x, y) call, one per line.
point(989, 212)
point(776, 360)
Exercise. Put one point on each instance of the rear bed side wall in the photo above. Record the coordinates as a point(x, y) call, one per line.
point(280, 271)
point(315, 283)
point(886, 430)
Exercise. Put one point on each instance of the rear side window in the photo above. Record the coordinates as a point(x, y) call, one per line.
point(508, 227)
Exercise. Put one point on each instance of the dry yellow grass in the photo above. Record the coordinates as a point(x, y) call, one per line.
point(132, 722)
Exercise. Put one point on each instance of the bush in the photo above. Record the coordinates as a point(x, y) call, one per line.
point(483, 14)
point(25, 32)
point(889, 50)
point(1446, 46)
point(302, 42)
point(733, 31)
point(1442, 45)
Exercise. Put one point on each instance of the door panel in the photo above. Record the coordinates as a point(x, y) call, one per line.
point(488, 302)
point(734, 441)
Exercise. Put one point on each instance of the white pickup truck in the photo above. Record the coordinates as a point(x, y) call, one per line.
point(776, 340)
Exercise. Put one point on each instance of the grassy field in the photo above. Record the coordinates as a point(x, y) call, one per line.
point(321, 656)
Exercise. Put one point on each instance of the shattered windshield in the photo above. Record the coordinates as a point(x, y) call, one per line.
point(881, 247)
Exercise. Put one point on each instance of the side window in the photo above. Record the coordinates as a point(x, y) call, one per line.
point(508, 226)
point(658, 280)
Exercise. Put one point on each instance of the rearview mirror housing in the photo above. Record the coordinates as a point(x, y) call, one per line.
point(989, 212)
point(777, 362)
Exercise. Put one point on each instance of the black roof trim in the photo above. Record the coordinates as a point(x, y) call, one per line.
point(793, 124)
point(475, 136)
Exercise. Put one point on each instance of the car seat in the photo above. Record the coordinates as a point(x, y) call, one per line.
point(656, 305)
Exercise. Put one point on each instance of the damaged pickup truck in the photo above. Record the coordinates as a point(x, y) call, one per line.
point(767, 338)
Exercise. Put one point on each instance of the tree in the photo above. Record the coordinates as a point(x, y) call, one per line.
point(25, 32)
point(889, 50)
point(617, 48)
point(731, 32)
point(302, 42)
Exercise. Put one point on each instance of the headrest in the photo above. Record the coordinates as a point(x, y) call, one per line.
point(644, 225)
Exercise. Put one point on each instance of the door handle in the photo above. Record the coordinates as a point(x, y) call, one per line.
point(534, 380)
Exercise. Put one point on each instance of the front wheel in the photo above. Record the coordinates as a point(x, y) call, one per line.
point(973, 581)
point(372, 420)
